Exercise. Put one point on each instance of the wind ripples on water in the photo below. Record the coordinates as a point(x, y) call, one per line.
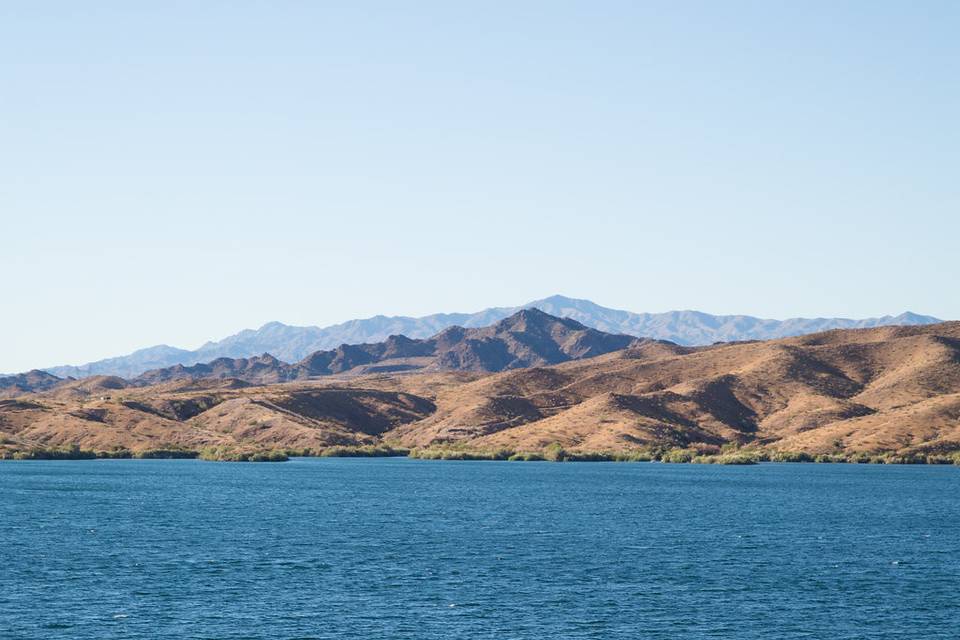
point(398, 548)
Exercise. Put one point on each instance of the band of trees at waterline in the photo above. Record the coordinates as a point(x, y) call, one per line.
point(726, 455)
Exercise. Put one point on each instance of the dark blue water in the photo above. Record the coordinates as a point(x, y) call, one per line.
point(397, 548)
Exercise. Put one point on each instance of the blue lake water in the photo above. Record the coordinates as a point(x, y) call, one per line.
point(398, 548)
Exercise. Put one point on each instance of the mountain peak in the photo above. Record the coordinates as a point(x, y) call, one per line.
point(526, 319)
point(561, 301)
point(273, 326)
point(909, 317)
point(530, 313)
point(558, 298)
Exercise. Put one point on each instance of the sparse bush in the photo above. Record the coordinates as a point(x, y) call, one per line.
point(305, 452)
point(555, 453)
point(362, 451)
point(830, 458)
point(115, 454)
point(68, 452)
point(526, 456)
point(166, 454)
point(741, 458)
point(588, 456)
point(226, 454)
point(790, 456)
point(265, 456)
point(679, 455)
point(904, 458)
point(633, 456)
point(704, 449)
point(459, 453)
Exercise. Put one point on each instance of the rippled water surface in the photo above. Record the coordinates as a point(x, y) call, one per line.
point(398, 548)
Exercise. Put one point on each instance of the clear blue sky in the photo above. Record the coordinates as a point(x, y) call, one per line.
point(172, 172)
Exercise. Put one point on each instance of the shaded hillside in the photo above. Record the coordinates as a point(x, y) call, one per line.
point(887, 389)
point(31, 381)
point(165, 418)
point(527, 338)
point(291, 344)
point(263, 369)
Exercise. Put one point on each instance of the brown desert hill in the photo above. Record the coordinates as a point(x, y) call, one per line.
point(264, 369)
point(276, 416)
point(84, 387)
point(527, 338)
point(891, 389)
point(888, 389)
point(36, 380)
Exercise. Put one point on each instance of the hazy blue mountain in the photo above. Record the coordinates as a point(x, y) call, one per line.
point(697, 328)
point(127, 366)
point(291, 344)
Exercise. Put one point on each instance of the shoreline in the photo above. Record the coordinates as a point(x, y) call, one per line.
point(553, 453)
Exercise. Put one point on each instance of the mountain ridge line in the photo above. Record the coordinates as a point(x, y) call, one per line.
point(292, 343)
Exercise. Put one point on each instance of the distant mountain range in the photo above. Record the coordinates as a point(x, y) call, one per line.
point(527, 338)
point(292, 344)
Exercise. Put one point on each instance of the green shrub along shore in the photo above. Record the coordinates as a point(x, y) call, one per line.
point(221, 454)
point(727, 455)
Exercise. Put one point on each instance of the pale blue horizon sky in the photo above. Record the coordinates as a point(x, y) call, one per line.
point(173, 172)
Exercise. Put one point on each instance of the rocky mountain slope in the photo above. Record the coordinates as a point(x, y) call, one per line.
point(27, 382)
point(291, 344)
point(890, 389)
point(527, 338)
